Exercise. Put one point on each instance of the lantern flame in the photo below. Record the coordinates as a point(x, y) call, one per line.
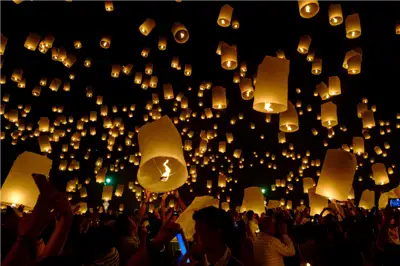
point(267, 107)
point(289, 128)
point(167, 173)
point(308, 9)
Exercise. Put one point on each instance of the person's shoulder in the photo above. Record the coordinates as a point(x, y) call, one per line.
point(234, 262)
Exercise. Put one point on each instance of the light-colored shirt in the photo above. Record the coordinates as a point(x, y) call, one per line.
point(269, 250)
point(222, 261)
point(253, 229)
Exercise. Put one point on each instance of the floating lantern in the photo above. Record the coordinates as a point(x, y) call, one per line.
point(337, 175)
point(329, 115)
point(162, 43)
point(304, 44)
point(225, 16)
point(308, 182)
point(246, 88)
point(237, 153)
point(353, 26)
point(271, 91)
point(32, 41)
point(308, 9)
point(180, 33)
point(253, 199)
point(354, 65)
point(335, 14)
point(367, 200)
point(77, 44)
point(219, 97)
point(281, 137)
point(3, 44)
point(288, 120)
point(379, 173)
point(280, 54)
point(316, 67)
point(188, 70)
point(228, 57)
point(105, 42)
point(107, 193)
point(115, 70)
point(358, 145)
point(368, 119)
point(317, 203)
point(147, 26)
point(162, 167)
point(109, 6)
point(17, 75)
point(222, 146)
point(311, 56)
point(334, 86)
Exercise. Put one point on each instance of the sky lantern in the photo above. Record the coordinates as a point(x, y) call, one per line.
point(219, 98)
point(308, 9)
point(317, 203)
point(361, 108)
point(334, 86)
point(335, 14)
point(105, 42)
point(109, 6)
point(271, 92)
point(316, 67)
point(19, 188)
point(147, 26)
point(162, 43)
point(107, 193)
point(32, 41)
point(162, 166)
point(336, 179)
point(246, 88)
point(180, 33)
point(253, 200)
point(358, 145)
point(288, 120)
point(368, 119)
point(3, 44)
point(308, 182)
point(367, 200)
point(329, 115)
point(225, 16)
point(228, 57)
point(354, 65)
point(353, 26)
point(304, 44)
point(379, 174)
point(311, 55)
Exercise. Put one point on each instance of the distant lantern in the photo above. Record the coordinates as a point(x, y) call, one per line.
point(138, 78)
point(70, 60)
point(361, 108)
point(367, 200)
point(3, 45)
point(55, 84)
point(107, 193)
point(304, 44)
point(336, 179)
point(246, 88)
point(219, 47)
point(153, 82)
point(222, 146)
point(353, 26)
point(109, 6)
point(219, 97)
point(334, 86)
point(105, 42)
point(147, 26)
point(398, 28)
point(311, 56)
point(354, 65)
point(44, 143)
point(188, 70)
point(162, 43)
point(280, 54)
point(316, 67)
point(349, 55)
point(308, 9)
point(228, 57)
point(368, 119)
point(288, 120)
point(77, 44)
point(175, 62)
point(32, 41)
point(358, 145)
point(162, 166)
point(308, 182)
point(281, 137)
point(180, 33)
point(115, 70)
point(378, 150)
point(44, 124)
point(17, 75)
point(237, 153)
point(335, 14)
point(127, 69)
point(221, 181)
point(168, 91)
point(225, 16)
point(235, 24)
point(19, 187)
point(379, 173)
point(329, 115)
point(271, 92)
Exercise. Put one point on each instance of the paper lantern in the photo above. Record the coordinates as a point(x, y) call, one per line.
point(337, 174)
point(229, 137)
point(253, 200)
point(115, 70)
point(271, 92)
point(225, 206)
point(44, 143)
point(147, 26)
point(281, 137)
point(317, 203)
point(358, 145)
point(311, 56)
point(304, 44)
point(162, 43)
point(109, 6)
point(19, 188)
point(349, 55)
point(334, 86)
point(180, 33)
point(367, 200)
point(308, 9)
point(32, 41)
point(221, 180)
point(288, 120)
point(246, 88)
point(17, 75)
point(188, 70)
point(237, 153)
point(380, 174)
point(83, 192)
point(328, 115)
point(316, 67)
point(105, 42)
point(353, 26)
point(44, 124)
point(308, 182)
point(354, 65)
point(225, 16)
point(107, 193)
point(335, 14)
point(280, 54)
point(222, 146)
point(219, 98)
point(368, 119)
point(162, 166)
point(3, 44)
point(228, 57)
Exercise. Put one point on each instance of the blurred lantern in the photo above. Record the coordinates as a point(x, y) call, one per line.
point(44, 143)
point(253, 199)
point(83, 192)
point(316, 67)
point(180, 33)
point(32, 41)
point(115, 70)
point(350, 54)
point(188, 70)
point(168, 91)
point(107, 193)
point(281, 137)
point(308, 9)
point(378, 150)
point(288, 120)
point(379, 173)
point(235, 24)
point(147, 26)
point(3, 44)
point(219, 97)
point(311, 56)
point(17, 75)
point(127, 69)
point(329, 115)
point(304, 44)
point(109, 6)
point(308, 182)
point(361, 108)
point(222, 146)
point(162, 43)
point(221, 180)
point(335, 14)
point(225, 16)
point(105, 42)
point(237, 153)
point(358, 145)
point(367, 200)
point(138, 78)
point(334, 86)
point(368, 119)
point(317, 203)
point(353, 26)
point(280, 54)
point(228, 57)
point(77, 44)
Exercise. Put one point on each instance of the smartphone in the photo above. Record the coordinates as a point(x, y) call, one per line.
point(394, 203)
point(183, 246)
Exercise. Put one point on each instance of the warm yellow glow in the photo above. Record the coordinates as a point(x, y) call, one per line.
point(308, 9)
point(289, 128)
point(267, 107)
point(167, 173)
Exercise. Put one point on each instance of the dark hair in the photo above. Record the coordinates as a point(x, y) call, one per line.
point(249, 215)
point(122, 225)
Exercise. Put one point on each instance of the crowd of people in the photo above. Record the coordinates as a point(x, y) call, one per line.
point(53, 234)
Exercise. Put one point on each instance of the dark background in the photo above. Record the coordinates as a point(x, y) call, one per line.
point(265, 27)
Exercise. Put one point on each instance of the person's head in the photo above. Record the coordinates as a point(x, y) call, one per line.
point(250, 215)
point(210, 225)
point(125, 225)
point(267, 225)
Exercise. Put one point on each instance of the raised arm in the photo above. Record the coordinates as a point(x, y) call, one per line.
point(181, 204)
point(162, 207)
point(142, 209)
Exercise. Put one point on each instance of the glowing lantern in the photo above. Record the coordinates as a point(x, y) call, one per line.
point(175, 62)
point(367, 200)
point(304, 44)
point(237, 153)
point(308, 182)
point(222, 146)
point(335, 14)
point(17, 75)
point(228, 57)
point(115, 70)
point(229, 137)
point(271, 91)
point(19, 187)
point(328, 115)
point(44, 124)
point(246, 88)
point(353, 26)
point(358, 145)
point(138, 77)
point(221, 181)
point(105, 42)
point(379, 173)
point(162, 43)
point(219, 97)
point(147, 26)
point(310, 56)
point(44, 143)
point(3, 45)
point(225, 16)
point(168, 91)
point(354, 65)
point(368, 119)
point(317, 202)
point(281, 137)
point(337, 175)
point(378, 150)
point(334, 85)
point(157, 153)
point(107, 193)
point(180, 33)
point(188, 70)
point(308, 9)
point(253, 200)
point(288, 120)
point(280, 54)
point(83, 192)
point(77, 44)
point(32, 41)
point(316, 67)
point(55, 84)
point(109, 6)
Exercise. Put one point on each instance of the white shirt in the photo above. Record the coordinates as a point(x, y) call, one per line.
point(222, 261)
point(269, 250)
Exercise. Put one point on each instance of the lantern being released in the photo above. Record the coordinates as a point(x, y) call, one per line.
point(19, 186)
point(379, 173)
point(288, 120)
point(253, 200)
point(162, 166)
point(308, 9)
point(317, 203)
point(271, 92)
point(367, 200)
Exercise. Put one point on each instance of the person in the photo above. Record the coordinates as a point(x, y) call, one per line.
point(128, 239)
point(252, 226)
point(212, 237)
point(269, 250)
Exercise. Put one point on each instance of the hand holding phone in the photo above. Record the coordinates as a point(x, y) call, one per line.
point(394, 203)
point(183, 246)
